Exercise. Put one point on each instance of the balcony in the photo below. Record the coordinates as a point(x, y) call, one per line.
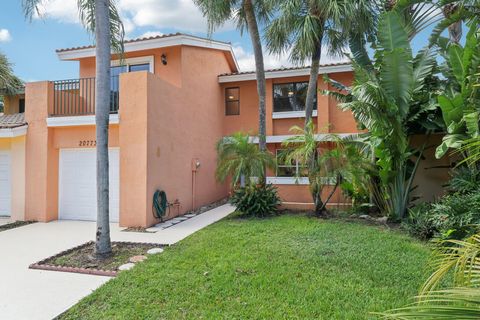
point(76, 97)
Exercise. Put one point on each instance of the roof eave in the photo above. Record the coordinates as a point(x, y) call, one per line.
point(272, 74)
point(146, 44)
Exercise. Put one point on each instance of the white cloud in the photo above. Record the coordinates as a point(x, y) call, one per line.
point(246, 60)
point(5, 35)
point(182, 15)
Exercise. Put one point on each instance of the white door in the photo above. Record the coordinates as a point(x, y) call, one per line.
point(5, 184)
point(77, 184)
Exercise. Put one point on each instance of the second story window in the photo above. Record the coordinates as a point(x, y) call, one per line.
point(232, 101)
point(291, 97)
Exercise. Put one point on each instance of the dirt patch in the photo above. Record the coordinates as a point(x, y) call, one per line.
point(81, 259)
point(14, 225)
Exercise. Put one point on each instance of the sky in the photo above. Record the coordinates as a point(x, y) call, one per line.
point(31, 45)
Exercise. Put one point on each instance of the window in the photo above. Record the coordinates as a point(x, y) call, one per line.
point(139, 67)
point(292, 169)
point(232, 101)
point(288, 97)
point(21, 105)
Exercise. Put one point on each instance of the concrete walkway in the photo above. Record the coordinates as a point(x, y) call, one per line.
point(35, 294)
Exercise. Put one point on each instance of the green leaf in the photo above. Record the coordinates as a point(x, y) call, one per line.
point(471, 120)
point(397, 78)
point(391, 32)
point(423, 65)
point(455, 54)
point(453, 141)
point(451, 108)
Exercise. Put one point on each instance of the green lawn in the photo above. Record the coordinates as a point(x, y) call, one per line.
point(287, 267)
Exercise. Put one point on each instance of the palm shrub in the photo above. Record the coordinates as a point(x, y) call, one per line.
point(453, 259)
point(241, 159)
point(465, 179)
point(258, 200)
point(384, 100)
point(327, 167)
point(9, 83)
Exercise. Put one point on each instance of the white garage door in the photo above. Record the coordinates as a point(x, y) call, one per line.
point(77, 184)
point(5, 184)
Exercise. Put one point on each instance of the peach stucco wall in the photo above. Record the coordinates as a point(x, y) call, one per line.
point(164, 126)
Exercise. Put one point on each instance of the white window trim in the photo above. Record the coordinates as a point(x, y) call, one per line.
point(137, 60)
point(296, 181)
point(291, 114)
point(78, 121)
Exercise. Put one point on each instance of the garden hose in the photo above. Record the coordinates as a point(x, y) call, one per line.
point(160, 204)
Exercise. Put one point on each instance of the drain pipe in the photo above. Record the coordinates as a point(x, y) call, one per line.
point(195, 166)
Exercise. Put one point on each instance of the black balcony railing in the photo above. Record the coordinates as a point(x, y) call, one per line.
point(76, 97)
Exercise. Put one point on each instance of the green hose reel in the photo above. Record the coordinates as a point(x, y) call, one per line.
point(160, 204)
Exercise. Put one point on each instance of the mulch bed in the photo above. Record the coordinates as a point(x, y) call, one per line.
point(81, 259)
point(14, 225)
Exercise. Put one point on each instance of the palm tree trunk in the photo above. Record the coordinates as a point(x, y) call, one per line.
point(259, 70)
point(103, 246)
point(312, 83)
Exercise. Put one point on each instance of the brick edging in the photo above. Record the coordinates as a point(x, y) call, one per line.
point(43, 264)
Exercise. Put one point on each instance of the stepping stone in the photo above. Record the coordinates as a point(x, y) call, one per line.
point(190, 215)
point(126, 266)
point(165, 224)
point(153, 229)
point(136, 259)
point(180, 219)
point(155, 251)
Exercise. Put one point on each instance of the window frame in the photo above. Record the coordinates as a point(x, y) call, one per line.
point(292, 113)
point(227, 101)
point(135, 61)
point(297, 166)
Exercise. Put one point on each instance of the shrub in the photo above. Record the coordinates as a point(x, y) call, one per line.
point(256, 200)
point(456, 215)
point(419, 223)
point(464, 180)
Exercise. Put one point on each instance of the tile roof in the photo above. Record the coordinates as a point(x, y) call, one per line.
point(287, 69)
point(9, 121)
point(170, 35)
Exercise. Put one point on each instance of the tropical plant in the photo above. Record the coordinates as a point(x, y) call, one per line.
point(383, 100)
point(248, 14)
point(9, 83)
point(258, 200)
point(465, 179)
point(322, 167)
point(241, 160)
point(419, 223)
point(101, 18)
point(460, 103)
point(459, 258)
point(303, 27)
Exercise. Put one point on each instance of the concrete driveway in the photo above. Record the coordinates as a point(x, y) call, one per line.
point(35, 294)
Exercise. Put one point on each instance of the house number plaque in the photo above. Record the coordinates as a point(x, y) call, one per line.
point(87, 143)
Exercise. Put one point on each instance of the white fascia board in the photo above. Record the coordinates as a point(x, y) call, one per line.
point(78, 121)
point(13, 132)
point(318, 137)
point(151, 44)
point(291, 114)
point(285, 73)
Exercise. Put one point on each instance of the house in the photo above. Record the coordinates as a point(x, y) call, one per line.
point(172, 98)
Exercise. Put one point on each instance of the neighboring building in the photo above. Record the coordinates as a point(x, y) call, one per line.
point(172, 100)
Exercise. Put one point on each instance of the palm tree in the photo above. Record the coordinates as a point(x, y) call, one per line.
point(9, 83)
point(241, 160)
point(302, 27)
point(247, 14)
point(322, 168)
point(101, 18)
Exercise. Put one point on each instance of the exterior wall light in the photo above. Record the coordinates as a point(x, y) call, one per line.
point(164, 59)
